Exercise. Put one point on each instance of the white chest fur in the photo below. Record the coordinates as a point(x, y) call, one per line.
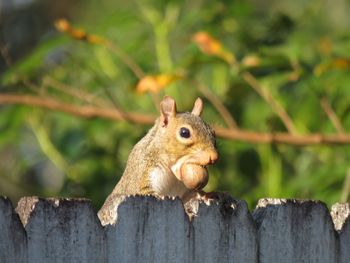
point(164, 182)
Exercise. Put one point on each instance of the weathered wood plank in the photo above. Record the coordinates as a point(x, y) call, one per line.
point(295, 231)
point(224, 232)
point(153, 230)
point(149, 230)
point(62, 230)
point(341, 214)
point(13, 243)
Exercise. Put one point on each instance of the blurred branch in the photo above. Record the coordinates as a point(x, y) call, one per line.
point(326, 106)
point(48, 81)
point(81, 111)
point(219, 106)
point(161, 25)
point(133, 66)
point(85, 97)
point(282, 138)
point(46, 145)
point(127, 60)
point(79, 94)
point(346, 188)
point(4, 51)
point(275, 105)
point(226, 133)
point(64, 26)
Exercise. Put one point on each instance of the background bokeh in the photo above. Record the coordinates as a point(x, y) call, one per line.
point(296, 51)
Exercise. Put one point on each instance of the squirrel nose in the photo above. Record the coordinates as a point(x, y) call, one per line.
point(213, 156)
point(204, 157)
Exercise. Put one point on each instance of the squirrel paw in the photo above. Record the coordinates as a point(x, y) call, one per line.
point(192, 201)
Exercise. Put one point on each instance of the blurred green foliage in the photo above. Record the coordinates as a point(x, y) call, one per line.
point(301, 54)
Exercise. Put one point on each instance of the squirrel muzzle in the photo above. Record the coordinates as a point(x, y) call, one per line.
point(190, 169)
point(204, 157)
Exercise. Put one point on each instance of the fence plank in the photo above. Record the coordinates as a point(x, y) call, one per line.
point(341, 217)
point(153, 230)
point(295, 231)
point(344, 240)
point(62, 230)
point(224, 232)
point(149, 230)
point(13, 245)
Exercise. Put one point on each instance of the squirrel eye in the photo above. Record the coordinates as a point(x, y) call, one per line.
point(185, 133)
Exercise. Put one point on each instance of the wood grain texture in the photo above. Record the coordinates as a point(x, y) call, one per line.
point(13, 243)
point(153, 230)
point(62, 230)
point(295, 231)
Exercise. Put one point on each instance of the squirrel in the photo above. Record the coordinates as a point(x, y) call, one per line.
point(170, 160)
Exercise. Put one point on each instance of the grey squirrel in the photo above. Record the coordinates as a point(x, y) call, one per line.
point(170, 160)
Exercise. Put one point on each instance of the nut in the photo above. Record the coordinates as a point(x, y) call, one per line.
point(194, 176)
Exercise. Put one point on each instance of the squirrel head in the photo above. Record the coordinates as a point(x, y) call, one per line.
point(185, 137)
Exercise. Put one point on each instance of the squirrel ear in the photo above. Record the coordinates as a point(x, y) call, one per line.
point(198, 107)
point(167, 109)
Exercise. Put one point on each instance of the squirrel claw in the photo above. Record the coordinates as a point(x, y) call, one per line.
point(215, 196)
point(192, 202)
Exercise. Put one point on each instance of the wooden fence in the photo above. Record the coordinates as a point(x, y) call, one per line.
point(151, 230)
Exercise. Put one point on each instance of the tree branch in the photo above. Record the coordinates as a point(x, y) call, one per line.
point(127, 60)
point(219, 106)
point(282, 138)
point(226, 133)
point(327, 108)
point(275, 105)
point(80, 111)
point(72, 92)
point(346, 188)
